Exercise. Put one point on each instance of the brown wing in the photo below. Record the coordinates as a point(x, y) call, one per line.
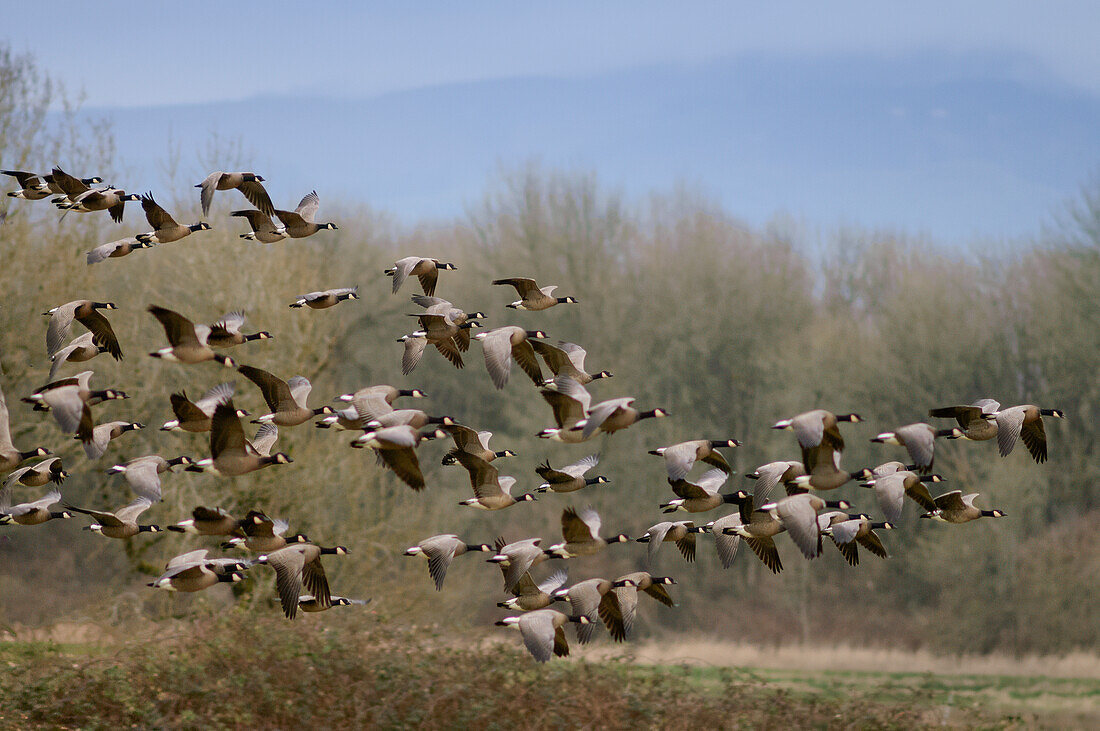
point(617, 610)
point(554, 356)
point(687, 547)
point(158, 217)
point(850, 552)
point(184, 410)
point(275, 390)
point(315, 581)
point(873, 543)
point(178, 329)
point(254, 191)
point(69, 185)
point(660, 593)
point(717, 460)
point(523, 285)
point(524, 354)
point(765, 550)
point(226, 432)
point(920, 494)
point(428, 280)
point(405, 465)
point(450, 351)
point(103, 335)
point(1035, 439)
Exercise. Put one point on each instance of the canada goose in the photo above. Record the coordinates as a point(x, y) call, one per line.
point(186, 341)
point(974, 425)
point(859, 530)
point(143, 473)
point(396, 447)
point(373, 401)
point(226, 332)
point(206, 521)
point(347, 419)
point(263, 228)
point(681, 532)
point(299, 565)
point(570, 401)
point(102, 435)
point(455, 317)
point(435, 330)
point(518, 557)
point(116, 249)
point(33, 513)
point(250, 185)
point(680, 458)
point(619, 617)
point(165, 229)
point(580, 534)
point(471, 442)
point(954, 507)
point(415, 418)
point(491, 491)
point(758, 528)
point(571, 477)
point(769, 475)
point(798, 514)
point(886, 468)
point(614, 415)
point(531, 297)
point(66, 186)
point(891, 490)
point(919, 440)
point(193, 571)
point(543, 632)
point(231, 454)
point(195, 416)
point(32, 187)
point(38, 474)
point(440, 551)
point(70, 399)
point(425, 269)
point(567, 359)
point(725, 544)
point(586, 599)
point(529, 596)
point(818, 434)
point(826, 474)
point(86, 313)
point(261, 534)
point(111, 200)
point(122, 523)
point(299, 222)
point(310, 603)
point(286, 399)
point(79, 350)
point(10, 457)
point(1023, 422)
point(327, 298)
point(702, 495)
point(503, 345)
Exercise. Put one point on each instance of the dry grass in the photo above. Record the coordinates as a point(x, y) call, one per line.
point(710, 653)
point(352, 669)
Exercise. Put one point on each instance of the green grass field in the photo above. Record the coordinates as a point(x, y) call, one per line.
point(237, 672)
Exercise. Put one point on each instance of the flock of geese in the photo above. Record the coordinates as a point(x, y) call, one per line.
point(396, 435)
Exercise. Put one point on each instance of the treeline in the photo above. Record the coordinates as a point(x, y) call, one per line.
point(728, 328)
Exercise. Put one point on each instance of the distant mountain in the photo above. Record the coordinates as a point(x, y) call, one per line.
point(958, 154)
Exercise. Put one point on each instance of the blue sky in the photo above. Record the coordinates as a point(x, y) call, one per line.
point(931, 62)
